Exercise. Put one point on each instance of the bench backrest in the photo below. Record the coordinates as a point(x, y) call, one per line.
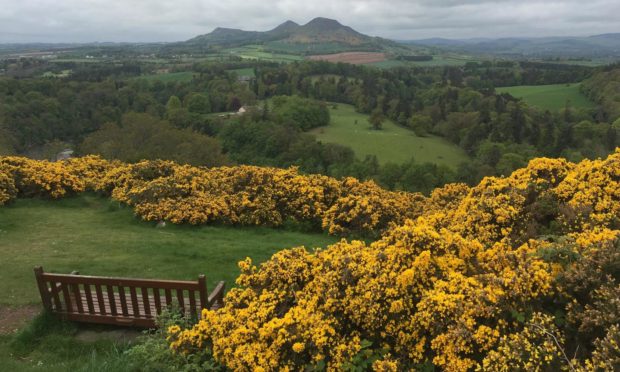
point(122, 301)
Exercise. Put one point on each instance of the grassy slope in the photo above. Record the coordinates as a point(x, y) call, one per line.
point(98, 237)
point(391, 144)
point(549, 97)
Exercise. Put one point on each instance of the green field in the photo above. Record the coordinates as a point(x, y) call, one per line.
point(99, 237)
point(390, 144)
point(549, 97)
point(259, 53)
point(249, 72)
point(171, 76)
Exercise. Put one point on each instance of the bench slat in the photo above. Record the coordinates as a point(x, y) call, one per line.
point(99, 292)
point(146, 301)
point(134, 301)
point(75, 288)
point(110, 291)
point(168, 297)
point(121, 293)
point(89, 299)
point(157, 300)
point(66, 297)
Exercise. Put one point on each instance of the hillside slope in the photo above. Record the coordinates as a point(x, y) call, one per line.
point(317, 31)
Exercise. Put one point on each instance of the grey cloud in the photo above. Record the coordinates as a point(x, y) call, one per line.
point(167, 20)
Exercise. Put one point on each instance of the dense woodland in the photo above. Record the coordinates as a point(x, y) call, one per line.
point(108, 109)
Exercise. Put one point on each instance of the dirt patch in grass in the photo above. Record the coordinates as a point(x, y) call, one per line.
point(356, 58)
point(13, 318)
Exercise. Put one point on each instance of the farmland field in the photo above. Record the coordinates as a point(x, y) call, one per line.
point(391, 144)
point(549, 97)
point(357, 58)
point(258, 52)
point(248, 72)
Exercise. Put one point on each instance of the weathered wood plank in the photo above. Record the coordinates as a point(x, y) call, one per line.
point(146, 301)
point(99, 292)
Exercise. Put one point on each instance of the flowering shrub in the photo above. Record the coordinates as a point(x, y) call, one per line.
point(42, 178)
point(367, 209)
point(517, 272)
point(8, 191)
point(475, 282)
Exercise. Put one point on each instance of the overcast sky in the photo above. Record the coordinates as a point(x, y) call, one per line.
point(173, 20)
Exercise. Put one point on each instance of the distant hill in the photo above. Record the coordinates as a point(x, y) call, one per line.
point(605, 45)
point(298, 38)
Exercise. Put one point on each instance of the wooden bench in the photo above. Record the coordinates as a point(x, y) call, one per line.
point(123, 301)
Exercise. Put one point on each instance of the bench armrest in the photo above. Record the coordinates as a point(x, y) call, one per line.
point(217, 295)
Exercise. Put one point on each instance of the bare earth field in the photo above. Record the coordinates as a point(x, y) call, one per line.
point(356, 58)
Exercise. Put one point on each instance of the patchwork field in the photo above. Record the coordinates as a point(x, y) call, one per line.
point(99, 237)
point(549, 97)
point(391, 144)
point(356, 58)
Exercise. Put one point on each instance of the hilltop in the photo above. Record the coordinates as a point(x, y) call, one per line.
point(290, 35)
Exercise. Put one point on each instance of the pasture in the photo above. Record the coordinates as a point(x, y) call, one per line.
point(390, 144)
point(549, 97)
point(258, 52)
point(243, 72)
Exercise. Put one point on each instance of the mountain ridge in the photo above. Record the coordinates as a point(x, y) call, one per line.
point(316, 31)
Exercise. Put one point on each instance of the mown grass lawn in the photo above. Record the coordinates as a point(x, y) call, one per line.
point(100, 237)
point(97, 236)
point(390, 144)
point(549, 97)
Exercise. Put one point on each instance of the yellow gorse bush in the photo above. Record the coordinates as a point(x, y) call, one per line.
point(464, 279)
point(244, 195)
point(448, 288)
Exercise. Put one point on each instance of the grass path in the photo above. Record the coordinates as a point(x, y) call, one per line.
point(390, 144)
